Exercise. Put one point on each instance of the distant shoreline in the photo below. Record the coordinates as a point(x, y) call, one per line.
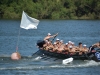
point(47, 19)
point(51, 9)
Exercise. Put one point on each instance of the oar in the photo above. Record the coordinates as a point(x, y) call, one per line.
point(55, 59)
point(43, 57)
point(54, 37)
point(35, 53)
point(66, 61)
point(47, 58)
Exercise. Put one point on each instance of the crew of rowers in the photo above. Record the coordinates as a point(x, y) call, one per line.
point(65, 48)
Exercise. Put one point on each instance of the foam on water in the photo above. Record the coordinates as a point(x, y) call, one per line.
point(38, 58)
point(40, 63)
point(53, 65)
point(23, 68)
point(85, 64)
point(91, 63)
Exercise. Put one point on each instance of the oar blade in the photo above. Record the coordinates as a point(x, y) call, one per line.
point(66, 61)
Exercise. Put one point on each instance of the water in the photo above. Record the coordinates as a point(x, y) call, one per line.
point(85, 31)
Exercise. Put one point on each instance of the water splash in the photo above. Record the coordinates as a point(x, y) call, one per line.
point(38, 58)
point(28, 63)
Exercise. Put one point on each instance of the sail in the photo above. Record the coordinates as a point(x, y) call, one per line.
point(28, 22)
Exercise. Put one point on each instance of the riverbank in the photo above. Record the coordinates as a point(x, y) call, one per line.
point(57, 9)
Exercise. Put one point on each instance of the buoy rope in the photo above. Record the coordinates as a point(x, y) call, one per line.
point(18, 40)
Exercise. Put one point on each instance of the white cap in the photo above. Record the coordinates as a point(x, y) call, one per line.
point(49, 34)
point(70, 46)
point(66, 43)
point(84, 45)
point(57, 39)
point(61, 40)
point(69, 42)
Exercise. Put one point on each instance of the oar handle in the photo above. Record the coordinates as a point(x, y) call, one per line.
point(54, 37)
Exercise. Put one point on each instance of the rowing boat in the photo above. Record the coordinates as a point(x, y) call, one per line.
point(85, 56)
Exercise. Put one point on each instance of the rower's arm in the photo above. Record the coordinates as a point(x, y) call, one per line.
point(48, 37)
point(55, 35)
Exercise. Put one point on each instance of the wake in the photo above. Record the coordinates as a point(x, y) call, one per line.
point(39, 62)
point(52, 66)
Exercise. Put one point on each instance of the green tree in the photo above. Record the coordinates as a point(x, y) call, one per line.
point(51, 9)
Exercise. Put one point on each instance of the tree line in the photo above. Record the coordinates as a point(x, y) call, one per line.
point(50, 9)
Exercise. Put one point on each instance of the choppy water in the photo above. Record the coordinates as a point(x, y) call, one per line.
point(85, 31)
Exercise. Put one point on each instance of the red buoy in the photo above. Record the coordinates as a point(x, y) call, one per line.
point(15, 56)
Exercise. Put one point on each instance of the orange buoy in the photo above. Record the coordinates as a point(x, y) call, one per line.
point(15, 56)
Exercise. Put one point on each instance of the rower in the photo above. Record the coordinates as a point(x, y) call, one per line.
point(80, 48)
point(69, 43)
point(61, 46)
point(57, 42)
point(71, 50)
point(55, 49)
point(85, 49)
point(92, 48)
point(50, 36)
point(66, 48)
point(97, 44)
